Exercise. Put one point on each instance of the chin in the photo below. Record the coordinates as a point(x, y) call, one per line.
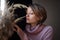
point(27, 22)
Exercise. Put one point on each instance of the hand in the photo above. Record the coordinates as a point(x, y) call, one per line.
point(16, 28)
point(19, 31)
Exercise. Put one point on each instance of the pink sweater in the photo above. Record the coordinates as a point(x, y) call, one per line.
point(39, 33)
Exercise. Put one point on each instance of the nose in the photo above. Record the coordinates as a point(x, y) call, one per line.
point(27, 15)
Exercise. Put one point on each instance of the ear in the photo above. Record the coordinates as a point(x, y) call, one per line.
point(41, 18)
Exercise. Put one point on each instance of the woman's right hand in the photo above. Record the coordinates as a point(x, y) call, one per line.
point(20, 32)
point(17, 29)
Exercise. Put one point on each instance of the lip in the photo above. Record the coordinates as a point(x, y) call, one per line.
point(27, 18)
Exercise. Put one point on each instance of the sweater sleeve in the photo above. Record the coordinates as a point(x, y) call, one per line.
point(48, 34)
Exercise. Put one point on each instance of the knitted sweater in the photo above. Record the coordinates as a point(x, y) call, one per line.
point(38, 32)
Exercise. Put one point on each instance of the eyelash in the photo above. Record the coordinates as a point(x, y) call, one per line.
point(30, 14)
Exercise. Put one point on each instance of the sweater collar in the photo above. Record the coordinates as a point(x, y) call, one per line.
point(34, 30)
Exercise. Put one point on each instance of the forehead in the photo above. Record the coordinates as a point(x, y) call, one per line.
point(29, 10)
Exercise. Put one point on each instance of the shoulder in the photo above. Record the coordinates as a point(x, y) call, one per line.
point(47, 28)
point(47, 31)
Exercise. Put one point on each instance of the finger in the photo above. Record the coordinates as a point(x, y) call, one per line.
point(16, 26)
point(14, 30)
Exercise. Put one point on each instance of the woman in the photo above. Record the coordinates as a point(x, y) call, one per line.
point(35, 29)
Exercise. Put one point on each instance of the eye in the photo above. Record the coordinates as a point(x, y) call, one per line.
point(31, 13)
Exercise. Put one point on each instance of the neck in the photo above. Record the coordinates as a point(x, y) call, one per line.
point(33, 24)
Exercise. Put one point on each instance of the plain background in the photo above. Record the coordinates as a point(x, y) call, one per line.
point(53, 15)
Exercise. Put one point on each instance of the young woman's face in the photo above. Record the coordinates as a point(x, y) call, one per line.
point(30, 16)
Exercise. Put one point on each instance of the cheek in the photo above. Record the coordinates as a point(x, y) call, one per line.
point(33, 19)
point(30, 19)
